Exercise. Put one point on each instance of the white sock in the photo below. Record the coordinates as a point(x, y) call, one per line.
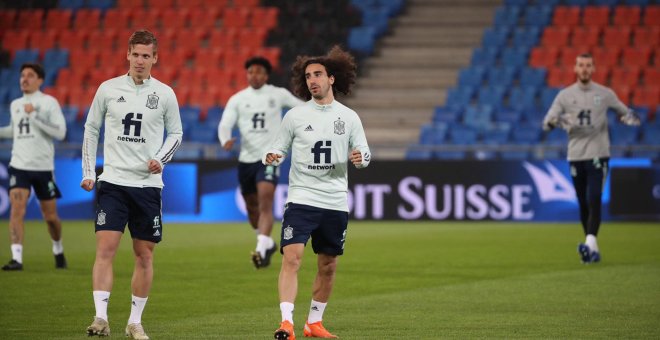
point(591, 242)
point(17, 252)
point(137, 306)
point(101, 299)
point(316, 311)
point(264, 243)
point(57, 247)
point(287, 311)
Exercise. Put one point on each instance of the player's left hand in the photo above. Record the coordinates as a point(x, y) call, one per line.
point(154, 166)
point(356, 157)
point(631, 119)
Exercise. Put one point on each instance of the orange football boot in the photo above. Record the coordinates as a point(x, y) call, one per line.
point(285, 332)
point(316, 330)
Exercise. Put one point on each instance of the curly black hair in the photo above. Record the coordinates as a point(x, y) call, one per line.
point(337, 62)
point(259, 61)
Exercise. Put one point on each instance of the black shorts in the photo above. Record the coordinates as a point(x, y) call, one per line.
point(326, 227)
point(249, 174)
point(117, 205)
point(43, 182)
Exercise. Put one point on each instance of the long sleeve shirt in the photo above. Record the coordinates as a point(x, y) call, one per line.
point(321, 138)
point(135, 118)
point(584, 107)
point(33, 133)
point(258, 114)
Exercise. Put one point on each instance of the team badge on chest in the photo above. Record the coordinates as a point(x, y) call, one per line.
point(339, 127)
point(597, 100)
point(152, 101)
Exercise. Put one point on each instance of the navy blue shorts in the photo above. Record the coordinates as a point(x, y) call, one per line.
point(249, 174)
point(43, 182)
point(326, 227)
point(117, 205)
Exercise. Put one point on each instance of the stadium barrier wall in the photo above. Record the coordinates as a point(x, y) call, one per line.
point(207, 191)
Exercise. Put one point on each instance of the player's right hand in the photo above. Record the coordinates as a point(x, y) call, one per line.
point(87, 184)
point(229, 144)
point(273, 158)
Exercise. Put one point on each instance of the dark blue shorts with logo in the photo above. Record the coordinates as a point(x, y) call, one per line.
point(140, 208)
point(249, 174)
point(43, 182)
point(326, 227)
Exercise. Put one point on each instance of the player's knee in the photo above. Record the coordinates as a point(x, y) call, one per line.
point(52, 220)
point(291, 262)
point(144, 259)
point(328, 268)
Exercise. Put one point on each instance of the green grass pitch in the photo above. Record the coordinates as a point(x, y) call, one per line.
point(412, 280)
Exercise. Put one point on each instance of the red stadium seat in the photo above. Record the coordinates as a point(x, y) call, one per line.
point(623, 92)
point(176, 18)
point(58, 19)
point(627, 15)
point(555, 36)
point(119, 18)
point(264, 17)
point(204, 4)
point(190, 78)
point(606, 56)
point(596, 16)
point(543, 57)
point(617, 36)
point(161, 3)
point(130, 4)
point(647, 96)
point(208, 59)
point(112, 59)
point(568, 55)
point(83, 60)
point(205, 98)
point(252, 38)
point(652, 15)
point(60, 93)
point(652, 76)
point(191, 40)
point(30, 19)
point(44, 40)
point(626, 76)
point(208, 18)
point(146, 19)
point(566, 16)
point(15, 40)
point(225, 38)
point(246, 3)
point(586, 36)
point(225, 93)
point(73, 40)
point(272, 54)
point(67, 78)
point(87, 19)
point(105, 40)
point(636, 56)
point(235, 17)
point(560, 77)
point(648, 36)
point(7, 19)
point(82, 97)
point(182, 94)
point(165, 74)
point(99, 75)
point(601, 75)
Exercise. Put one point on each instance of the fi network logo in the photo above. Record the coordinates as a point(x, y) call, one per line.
point(129, 122)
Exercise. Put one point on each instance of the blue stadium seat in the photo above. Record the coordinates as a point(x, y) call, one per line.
point(502, 76)
point(478, 117)
point(580, 3)
point(497, 134)
point(473, 76)
point(5, 117)
point(636, 2)
point(447, 114)
point(461, 96)
point(463, 135)
point(362, 40)
point(526, 36)
point(548, 95)
point(14, 92)
point(204, 134)
point(491, 95)
point(507, 16)
point(645, 153)
point(515, 56)
point(223, 154)
point(610, 3)
point(523, 98)
point(486, 56)
point(432, 134)
point(554, 154)
point(651, 134)
point(188, 154)
point(624, 135)
point(515, 2)
point(378, 18)
point(526, 134)
point(4, 95)
point(495, 37)
point(25, 56)
point(100, 4)
point(9, 77)
point(534, 77)
point(56, 59)
point(507, 115)
point(70, 113)
point(72, 4)
point(75, 131)
point(539, 16)
point(556, 137)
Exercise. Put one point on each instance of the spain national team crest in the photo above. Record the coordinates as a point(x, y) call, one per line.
point(287, 233)
point(339, 127)
point(152, 101)
point(597, 100)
